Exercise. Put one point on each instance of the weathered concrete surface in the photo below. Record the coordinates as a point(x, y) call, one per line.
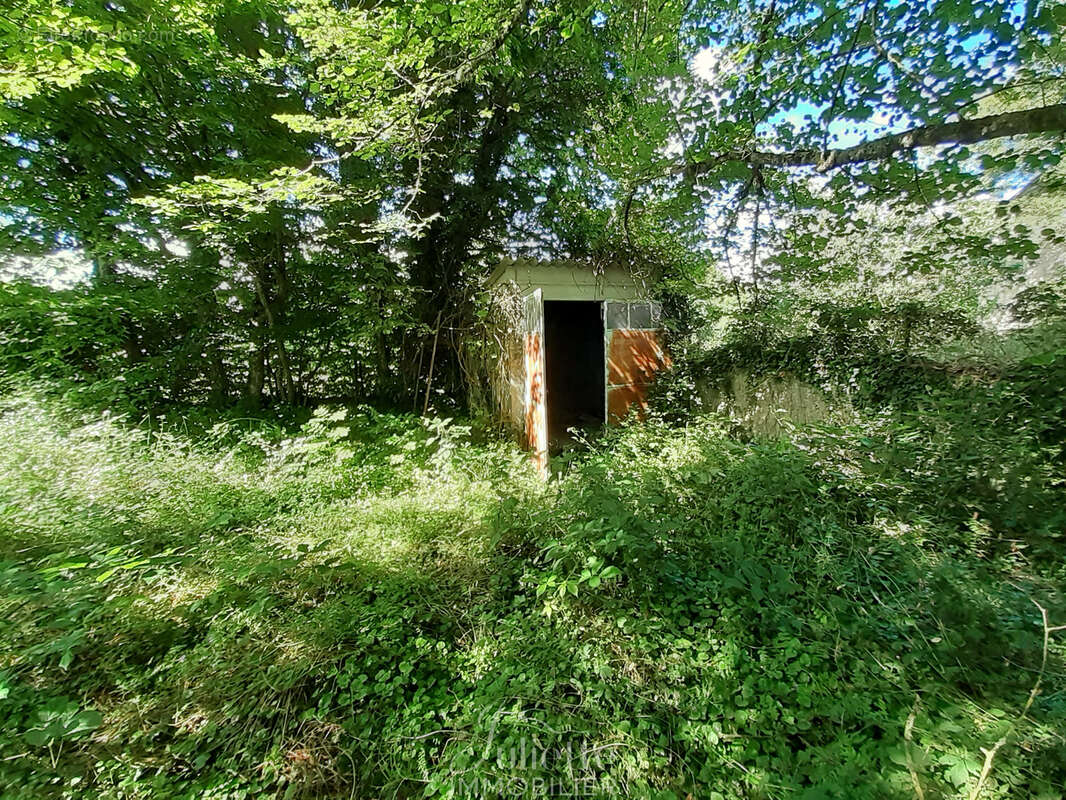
point(767, 405)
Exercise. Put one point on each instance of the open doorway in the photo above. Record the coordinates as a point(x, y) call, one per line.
point(574, 368)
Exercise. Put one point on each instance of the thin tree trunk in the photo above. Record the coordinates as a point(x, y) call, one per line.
point(284, 372)
point(418, 374)
point(256, 375)
point(219, 381)
point(432, 360)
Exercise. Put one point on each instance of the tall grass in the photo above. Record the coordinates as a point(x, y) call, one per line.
point(375, 606)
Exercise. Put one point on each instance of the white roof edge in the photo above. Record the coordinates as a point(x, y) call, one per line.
point(582, 272)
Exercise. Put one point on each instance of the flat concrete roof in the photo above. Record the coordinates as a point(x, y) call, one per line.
point(571, 280)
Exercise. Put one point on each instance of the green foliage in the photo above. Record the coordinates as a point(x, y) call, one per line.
point(299, 202)
point(305, 186)
point(56, 334)
point(269, 194)
point(362, 604)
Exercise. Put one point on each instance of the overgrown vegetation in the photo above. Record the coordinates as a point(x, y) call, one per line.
point(242, 238)
point(377, 606)
point(299, 200)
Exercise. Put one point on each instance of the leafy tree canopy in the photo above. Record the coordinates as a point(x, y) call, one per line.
point(273, 165)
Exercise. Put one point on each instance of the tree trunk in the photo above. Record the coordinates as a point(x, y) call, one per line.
point(256, 375)
point(284, 371)
point(219, 381)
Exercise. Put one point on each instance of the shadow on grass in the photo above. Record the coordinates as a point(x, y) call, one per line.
point(679, 614)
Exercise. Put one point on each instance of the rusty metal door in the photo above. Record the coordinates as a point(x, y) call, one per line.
point(536, 401)
point(635, 353)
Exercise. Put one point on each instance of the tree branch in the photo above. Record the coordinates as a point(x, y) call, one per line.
point(844, 68)
point(1049, 119)
point(461, 73)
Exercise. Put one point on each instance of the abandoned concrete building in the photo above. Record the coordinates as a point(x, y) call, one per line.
point(581, 346)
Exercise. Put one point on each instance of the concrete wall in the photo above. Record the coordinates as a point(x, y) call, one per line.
point(501, 358)
point(767, 404)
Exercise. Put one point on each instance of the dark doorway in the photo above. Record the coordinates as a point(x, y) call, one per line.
point(574, 367)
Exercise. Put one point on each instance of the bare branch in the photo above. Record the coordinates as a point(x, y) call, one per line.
point(990, 753)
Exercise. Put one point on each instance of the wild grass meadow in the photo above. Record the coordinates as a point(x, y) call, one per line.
point(362, 604)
